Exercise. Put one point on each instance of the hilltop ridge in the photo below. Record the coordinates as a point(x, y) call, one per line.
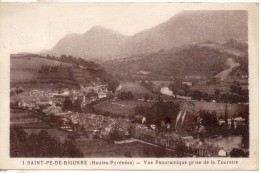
point(184, 28)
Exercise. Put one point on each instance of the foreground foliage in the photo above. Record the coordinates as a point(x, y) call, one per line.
point(23, 144)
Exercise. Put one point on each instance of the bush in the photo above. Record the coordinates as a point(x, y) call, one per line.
point(128, 154)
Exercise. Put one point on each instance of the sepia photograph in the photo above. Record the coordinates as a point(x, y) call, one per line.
point(128, 81)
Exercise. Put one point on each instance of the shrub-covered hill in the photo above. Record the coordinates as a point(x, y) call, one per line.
point(65, 70)
point(205, 60)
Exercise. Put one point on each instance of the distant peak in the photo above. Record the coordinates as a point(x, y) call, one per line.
point(101, 30)
point(98, 27)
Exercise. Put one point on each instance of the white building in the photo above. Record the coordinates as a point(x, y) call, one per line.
point(102, 95)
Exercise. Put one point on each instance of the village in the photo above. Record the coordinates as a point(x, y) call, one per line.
point(71, 110)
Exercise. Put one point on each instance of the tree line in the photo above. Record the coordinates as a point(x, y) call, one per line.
point(160, 111)
point(42, 144)
point(235, 95)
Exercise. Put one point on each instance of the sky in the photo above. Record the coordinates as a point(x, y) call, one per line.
point(34, 27)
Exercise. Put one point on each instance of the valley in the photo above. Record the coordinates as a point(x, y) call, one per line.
point(174, 90)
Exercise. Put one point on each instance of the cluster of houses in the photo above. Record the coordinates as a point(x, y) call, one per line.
point(50, 103)
point(37, 97)
point(32, 99)
point(192, 147)
point(198, 148)
point(144, 133)
point(98, 126)
point(91, 124)
point(102, 126)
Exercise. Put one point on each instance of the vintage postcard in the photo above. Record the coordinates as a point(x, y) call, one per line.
point(130, 86)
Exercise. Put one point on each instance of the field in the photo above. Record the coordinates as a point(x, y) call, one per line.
point(25, 69)
point(211, 89)
point(26, 119)
point(224, 87)
point(100, 148)
point(31, 124)
point(17, 114)
point(62, 135)
point(121, 107)
point(33, 62)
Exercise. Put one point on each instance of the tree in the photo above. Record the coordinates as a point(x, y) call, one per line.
point(130, 95)
point(128, 154)
point(122, 95)
point(163, 111)
point(235, 152)
point(245, 137)
point(146, 97)
point(159, 97)
point(67, 104)
point(70, 150)
point(19, 90)
point(160, 152)
point(63, 58)
point(17, 140)
point(175, 87)
point(114, 135)
point(40, 145)
point(217, 92)
point(77, 105)
point(209, 121)
point(225, 97)
point(147, 84)
point(72, 137)
point(138, 110)
point(180, 149)
point(186, 89)
point(235, 88)
point(146, 151)
point(112, 84)
point(43, 135)
point(197, 95)
point(206, 97)
point(245, 95)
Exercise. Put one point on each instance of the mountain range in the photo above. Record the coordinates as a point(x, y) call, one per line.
point(184, 28)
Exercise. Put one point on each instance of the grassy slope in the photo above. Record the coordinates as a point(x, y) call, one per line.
point(26, 68)
point(190, 60)
point(121, 108)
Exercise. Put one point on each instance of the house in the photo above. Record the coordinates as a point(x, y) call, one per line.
point(24, 104)
point(239, 74)
point(31, 105)
point(102, 94)
point(187, 83)
point(142, 72)
point(81, 96)
point(194, 77)
point(60, 98)
point(15, 100)
point(52, 110)
point(44, 101)
point(65, 92)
